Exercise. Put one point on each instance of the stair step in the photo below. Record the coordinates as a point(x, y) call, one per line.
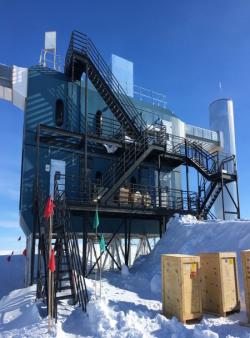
point(64, 271)
point(66, 279)
point(65, 297)
point(63, 288)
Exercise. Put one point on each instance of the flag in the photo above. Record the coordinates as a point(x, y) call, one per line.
point(96, 220)
point(52, 264)
point(49, 208)
point(12, 253)
point(24, 253)
point(8, 259)
point(102, 243)
point(19, 239)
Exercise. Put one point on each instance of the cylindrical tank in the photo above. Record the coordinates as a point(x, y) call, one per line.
point(221, 118)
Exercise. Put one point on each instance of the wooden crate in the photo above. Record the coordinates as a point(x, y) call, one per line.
point(181, 290)
point(123, 195)
point(219, 283)
point(245, 260)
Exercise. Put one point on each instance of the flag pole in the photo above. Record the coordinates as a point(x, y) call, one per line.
point(101, 275)
point(52, 295)
point(49, 286)
point(96, 262)
point(52, 277)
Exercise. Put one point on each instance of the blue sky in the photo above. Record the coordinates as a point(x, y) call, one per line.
point(180, 48)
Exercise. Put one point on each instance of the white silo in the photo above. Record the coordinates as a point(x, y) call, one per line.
point(221, 118)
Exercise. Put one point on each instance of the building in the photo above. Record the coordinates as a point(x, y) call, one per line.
point(92, 147)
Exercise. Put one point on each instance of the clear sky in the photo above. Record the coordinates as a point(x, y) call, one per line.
point(180, 48)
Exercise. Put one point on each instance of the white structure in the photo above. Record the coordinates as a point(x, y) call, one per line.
point(221, 117)
point(123, 70)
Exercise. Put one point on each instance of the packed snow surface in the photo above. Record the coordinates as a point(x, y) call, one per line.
point(131, 299)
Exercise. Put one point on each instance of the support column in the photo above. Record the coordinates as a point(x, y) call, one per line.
point(33, 243)
point(187, 174)
point(37, 149)
point(86, 121)
point(160, 228)
point(238, 197)
point(159, 179)
point(72, 95)
point(222, 195)
point(80, 107)
point(84, 242)
point(126, 241)
point(199, 193)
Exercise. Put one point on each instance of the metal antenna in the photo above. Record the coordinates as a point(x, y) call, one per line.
point(220, 89)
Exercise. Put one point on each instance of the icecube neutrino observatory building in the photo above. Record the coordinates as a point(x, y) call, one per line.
point(99, 145)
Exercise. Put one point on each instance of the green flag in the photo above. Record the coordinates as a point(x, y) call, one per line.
point(96, 220)
point(102, 244)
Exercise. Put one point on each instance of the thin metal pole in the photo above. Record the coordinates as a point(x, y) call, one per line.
point(96, 261)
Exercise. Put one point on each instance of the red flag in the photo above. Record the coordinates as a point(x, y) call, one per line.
point(19, 239)
point(52, 264)
point(49, 208)
point(8, 259)
point(24, 253)
point(12, 253)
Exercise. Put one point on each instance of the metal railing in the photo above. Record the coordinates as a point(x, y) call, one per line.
point(71, 243)
point(79, 42)
point(108, 128)
point(58, 61)
point(143, 94)
point(133, 153)
point(90, 191)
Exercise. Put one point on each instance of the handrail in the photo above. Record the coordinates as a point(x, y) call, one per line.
point(132, 153)
point(72, 245)
point(79, 42)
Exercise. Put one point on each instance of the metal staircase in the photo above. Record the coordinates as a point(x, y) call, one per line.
point(133, 156)
point(82, 56)
point(210, 197)
point(69, 282)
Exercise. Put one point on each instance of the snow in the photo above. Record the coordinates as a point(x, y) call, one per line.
point(130, 304)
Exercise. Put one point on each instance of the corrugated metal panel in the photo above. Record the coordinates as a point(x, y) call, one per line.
point(5, 72)
point(5, 77)
point(5, 93)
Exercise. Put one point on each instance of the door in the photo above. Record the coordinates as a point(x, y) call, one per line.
point(57, 168)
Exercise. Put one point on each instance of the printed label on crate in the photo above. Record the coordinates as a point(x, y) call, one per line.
point(193, 267)
point(226, 261)
point(230, 261)
point(192, 274)
point(188, 267)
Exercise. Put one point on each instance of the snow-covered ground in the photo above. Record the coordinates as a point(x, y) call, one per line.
point(131, 300)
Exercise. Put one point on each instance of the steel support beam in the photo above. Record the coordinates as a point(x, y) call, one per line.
point(33, 243)
point(222, 195)
point(86, 121)
point(84, 241)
